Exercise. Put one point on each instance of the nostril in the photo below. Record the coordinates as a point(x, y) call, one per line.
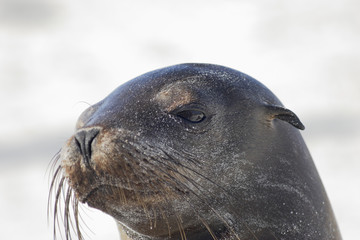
point(83, 139)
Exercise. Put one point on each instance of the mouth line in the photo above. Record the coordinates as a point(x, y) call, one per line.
point(120, 187)
point(87, 196)
point(98, 187)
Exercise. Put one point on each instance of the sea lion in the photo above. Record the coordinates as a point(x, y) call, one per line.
point(194, 151)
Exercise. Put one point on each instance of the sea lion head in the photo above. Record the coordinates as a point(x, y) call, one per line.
point(192, 150)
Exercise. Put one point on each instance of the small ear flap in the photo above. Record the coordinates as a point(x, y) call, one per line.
point(285, 115)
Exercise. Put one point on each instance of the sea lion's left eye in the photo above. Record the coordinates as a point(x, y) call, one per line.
point(194, 116)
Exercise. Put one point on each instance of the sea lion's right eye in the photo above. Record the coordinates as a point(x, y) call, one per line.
point(193, 116)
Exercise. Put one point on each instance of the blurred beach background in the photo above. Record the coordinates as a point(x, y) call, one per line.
point(58, 56)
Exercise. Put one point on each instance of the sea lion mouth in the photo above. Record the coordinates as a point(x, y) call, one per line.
point(126, 194)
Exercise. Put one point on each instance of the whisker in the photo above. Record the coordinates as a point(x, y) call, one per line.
point(166, 220)
point(80, 210)
point(76, 216)
point(208, 228)
point(52, 165)
point(201, 190)
point(181, 229)
point(199, 174)
point(177, 183)
point(66, 214)
point(57, 205)
point(51, 189)
point(252, 233)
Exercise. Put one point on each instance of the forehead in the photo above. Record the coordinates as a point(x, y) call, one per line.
point(194, 89)
point(178, 93)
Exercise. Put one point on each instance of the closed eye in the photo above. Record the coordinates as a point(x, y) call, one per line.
point(193, 116)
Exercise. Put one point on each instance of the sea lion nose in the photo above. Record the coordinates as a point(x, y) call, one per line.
point(84, 139)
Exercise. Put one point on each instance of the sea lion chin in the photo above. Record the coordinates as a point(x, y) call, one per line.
point(194, 151)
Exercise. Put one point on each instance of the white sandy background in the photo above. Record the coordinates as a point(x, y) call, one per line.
point(57, 54)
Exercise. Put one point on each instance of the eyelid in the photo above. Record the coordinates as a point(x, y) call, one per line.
point(181, 112)
point(191, 106)
point(191, 115)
